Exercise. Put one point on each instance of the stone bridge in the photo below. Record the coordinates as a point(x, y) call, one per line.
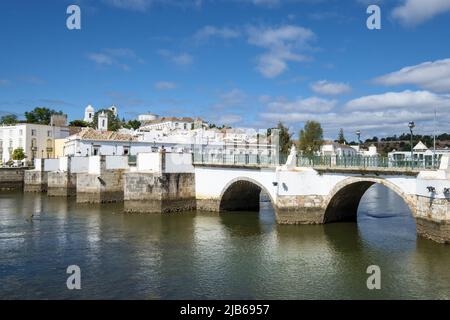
point(162, 183)
point(303, 195)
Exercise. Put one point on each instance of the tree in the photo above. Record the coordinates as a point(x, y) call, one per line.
point(311, 138)
point(114, 122)
point(284, 138)
point(18, 154)
point(40, 115)
point(78, 123)
point(341, 138)
point(132, 124)
point(9, 119)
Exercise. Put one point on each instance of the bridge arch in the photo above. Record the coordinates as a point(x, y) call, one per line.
point(343, 201)
point(242, 194)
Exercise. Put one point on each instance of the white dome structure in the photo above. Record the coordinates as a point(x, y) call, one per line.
point(114, 110)
point(89, 114)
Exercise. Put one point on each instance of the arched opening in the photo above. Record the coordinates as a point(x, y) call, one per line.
point(346, 198)
point(241, 195)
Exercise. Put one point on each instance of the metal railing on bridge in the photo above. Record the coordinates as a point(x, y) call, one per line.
point(364, 162)
point(238, 159)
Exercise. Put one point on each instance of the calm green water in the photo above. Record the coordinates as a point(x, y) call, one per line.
point(206, 256)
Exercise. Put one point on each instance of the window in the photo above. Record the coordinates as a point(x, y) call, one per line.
point(49, 133)
point(33, 132)
point(20, 132)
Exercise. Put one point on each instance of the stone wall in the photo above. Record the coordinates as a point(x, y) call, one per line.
point(308, 209)
point(11, 178)
point(433, 218)
point(62, 184)
point(100, 188)
point(209, 205)
point(35, 181)
point(148, 192)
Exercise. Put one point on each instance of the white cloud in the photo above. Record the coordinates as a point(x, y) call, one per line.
point(311, 105)
point(408, 100)
point(210, 31)
point(144, 5)
point(4, 82)
point(101, 58)
point(228, 119)
point(380, 114)
point(283, 44)
point(330, 88)
point(434, 76)
point(165, 85)
point(233, 97)
point(181, 59)
point(114, 57)
point(414, 12)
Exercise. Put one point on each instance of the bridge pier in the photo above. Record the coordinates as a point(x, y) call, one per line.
point(308, 209)
point(100, 185)
point(433, 219)
point(36, 180)
point(157, 192)
point(62, 183)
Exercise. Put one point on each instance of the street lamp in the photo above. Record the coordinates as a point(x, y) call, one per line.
point(358, 134)
point(411, 126)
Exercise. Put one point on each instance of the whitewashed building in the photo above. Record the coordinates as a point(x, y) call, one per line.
point(369, 152)
point(331, 148)
point(89, 112)
point(420, 153)
point(37, 141)
point(167, 124)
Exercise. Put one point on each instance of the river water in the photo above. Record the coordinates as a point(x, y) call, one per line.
point(209, 256)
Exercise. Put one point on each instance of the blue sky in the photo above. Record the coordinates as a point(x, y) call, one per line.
point(238, 62)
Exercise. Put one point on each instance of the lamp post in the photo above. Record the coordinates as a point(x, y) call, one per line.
point(358, 134)
point(411, 126)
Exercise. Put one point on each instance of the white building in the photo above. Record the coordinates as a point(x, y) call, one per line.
point(89, 114)
point(167, 124)
point(146, 117)
point(94, 142)
point(102, 123)
point(370, 152)
point(36, 140)
point(330, 148)
point(420, 153)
